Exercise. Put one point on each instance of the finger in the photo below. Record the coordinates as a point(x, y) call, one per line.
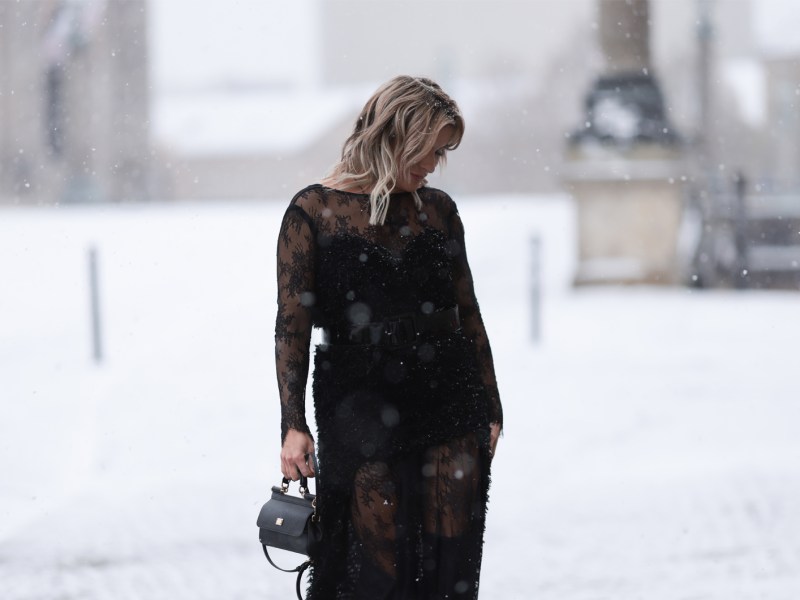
point(289, 469)
point(310, 463)
point(304, 469)
point(286, 471)
point(307, 467)
point(292, 463)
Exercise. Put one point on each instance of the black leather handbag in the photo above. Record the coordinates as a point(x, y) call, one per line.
point(290, 523)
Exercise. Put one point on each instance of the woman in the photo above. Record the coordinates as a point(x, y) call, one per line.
point(406, 402)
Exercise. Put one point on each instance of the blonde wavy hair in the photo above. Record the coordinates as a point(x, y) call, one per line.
point(395, 129)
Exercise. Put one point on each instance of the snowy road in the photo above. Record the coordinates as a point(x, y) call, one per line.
point(651, 448)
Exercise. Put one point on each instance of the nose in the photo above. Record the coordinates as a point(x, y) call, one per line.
point(428, 162)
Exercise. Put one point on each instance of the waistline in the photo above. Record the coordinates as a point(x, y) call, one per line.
point(395, 330)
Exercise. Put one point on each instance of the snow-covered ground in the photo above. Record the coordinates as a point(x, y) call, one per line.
point(651, 447)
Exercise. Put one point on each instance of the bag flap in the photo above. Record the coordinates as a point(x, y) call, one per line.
point(285, 514)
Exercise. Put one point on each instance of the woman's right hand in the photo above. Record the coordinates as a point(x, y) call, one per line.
point(295, 452)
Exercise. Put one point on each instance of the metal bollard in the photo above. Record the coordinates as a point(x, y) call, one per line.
point(94, 305)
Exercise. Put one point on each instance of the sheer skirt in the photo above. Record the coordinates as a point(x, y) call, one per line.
point(404, 472)
point(415, 525)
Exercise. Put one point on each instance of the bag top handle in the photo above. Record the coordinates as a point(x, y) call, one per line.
point(303, 485)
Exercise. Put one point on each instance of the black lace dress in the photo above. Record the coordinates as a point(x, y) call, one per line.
point(403, 430)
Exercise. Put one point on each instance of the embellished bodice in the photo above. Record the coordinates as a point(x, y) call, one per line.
point(359, 280)
point(335, 270)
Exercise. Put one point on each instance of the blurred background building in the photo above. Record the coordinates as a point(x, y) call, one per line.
point(74, 102)
point(112, 100)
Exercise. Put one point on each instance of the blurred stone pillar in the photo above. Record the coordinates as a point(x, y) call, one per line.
point(624, 32)
point(624, 162)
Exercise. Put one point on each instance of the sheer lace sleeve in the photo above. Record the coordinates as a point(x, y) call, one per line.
point(470, 314)
point(293, 322)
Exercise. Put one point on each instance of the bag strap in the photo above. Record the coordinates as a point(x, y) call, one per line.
point(299, 569)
